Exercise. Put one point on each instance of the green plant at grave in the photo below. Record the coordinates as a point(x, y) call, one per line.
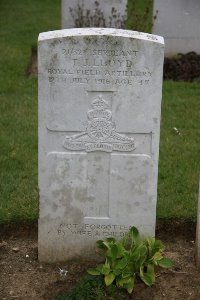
point(131, 258)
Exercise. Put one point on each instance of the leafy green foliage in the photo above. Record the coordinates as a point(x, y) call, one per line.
point(129, 259)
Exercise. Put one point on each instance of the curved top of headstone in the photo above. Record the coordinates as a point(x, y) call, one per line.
point(100, 31)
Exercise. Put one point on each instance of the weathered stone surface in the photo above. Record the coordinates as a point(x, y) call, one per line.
point(178, 22)
point(92, 13)
point(99, 122)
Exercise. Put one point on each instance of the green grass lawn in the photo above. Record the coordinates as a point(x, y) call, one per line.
point(179, 163)
point(20, 23)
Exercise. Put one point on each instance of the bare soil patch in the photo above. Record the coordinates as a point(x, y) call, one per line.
point(183, 67)
point(23, 277)
point(32, 68)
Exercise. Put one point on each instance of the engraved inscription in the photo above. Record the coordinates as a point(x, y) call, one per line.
point(96, 62)
point(93, 230)
point(100, 133)
point(99, 52)
point(93, 64)
point(152, 37)
point(100, 76)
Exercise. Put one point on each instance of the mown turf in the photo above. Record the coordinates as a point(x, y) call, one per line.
point(20, 23)
point(179, 164)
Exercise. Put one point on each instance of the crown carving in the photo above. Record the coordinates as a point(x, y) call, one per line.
point(99, 103)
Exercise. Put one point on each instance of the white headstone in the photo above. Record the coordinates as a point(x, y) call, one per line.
point(99, 122)
point(179, 22)
point(93, 13)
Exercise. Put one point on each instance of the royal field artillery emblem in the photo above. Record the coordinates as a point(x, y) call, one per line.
point(100, 133)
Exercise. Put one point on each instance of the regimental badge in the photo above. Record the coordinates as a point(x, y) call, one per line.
point(100, 133)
